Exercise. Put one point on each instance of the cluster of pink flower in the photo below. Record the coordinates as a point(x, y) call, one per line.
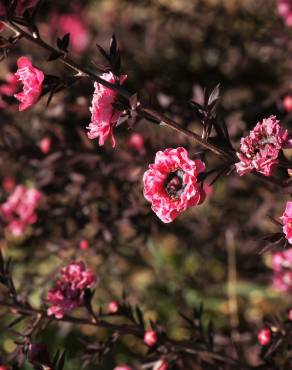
point(19, 209)
point(259, 151)
point(69, 290)
point(285, 11)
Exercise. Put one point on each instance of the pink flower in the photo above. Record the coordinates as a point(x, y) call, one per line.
point(103, 115)
point(171, 183)
point(32, 80)
point(136, 142)
point(285, 11)
point(290, 314)
point(19, 210)
point(287, 222)
point(122, 367)
point(72, 23)
point(264, 336)
point(150, 338)
point(69, 290)
point(259, 150)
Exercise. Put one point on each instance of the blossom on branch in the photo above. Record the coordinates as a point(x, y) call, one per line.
point(287, 222)
point(69, 290)
point(171, 183)
point(32, 80)
point(104, 116)
point(259, 151)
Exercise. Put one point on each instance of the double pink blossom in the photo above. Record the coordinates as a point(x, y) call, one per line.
point(171, 183)
point(259, 151)
point(72, 23)
point(104, 116)
point(285, 11)
point(19, 210)
point(32, 80)
point(69, 289)
point(287, 222)
point(282, 266)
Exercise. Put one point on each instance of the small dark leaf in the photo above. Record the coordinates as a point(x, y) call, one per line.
point(113, 46)
point(214, 95)
point(103, 52)
point(61, 362)
point(133, 101)
point(64, 42)
point(54, 55)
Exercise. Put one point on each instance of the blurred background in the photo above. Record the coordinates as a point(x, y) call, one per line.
point(171, 50)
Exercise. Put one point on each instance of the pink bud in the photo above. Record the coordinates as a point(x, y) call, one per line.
point(264, 336)
point(121, 367)
point(45, 145)
point(161, 365)
point(84, 244)
point(150, 338)
point(8, 184)
point(136, 142)
point(113, 307)
point(289, 172)
point(287, 103)
point(290, 314)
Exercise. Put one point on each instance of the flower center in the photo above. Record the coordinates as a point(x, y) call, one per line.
point(174, 185)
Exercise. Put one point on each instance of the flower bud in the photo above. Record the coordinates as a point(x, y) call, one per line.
point(84, 244)
point(45, 145)
point(150, 338)
point(264, 336)
point(113, 307)
point(287, 103)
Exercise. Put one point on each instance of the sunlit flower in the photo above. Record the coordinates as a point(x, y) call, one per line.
point(259, 151)
point(171, 183)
